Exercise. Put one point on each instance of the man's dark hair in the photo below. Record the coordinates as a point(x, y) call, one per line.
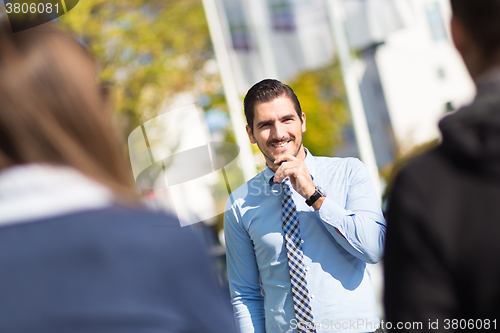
point(265, 91)
point(482, 19)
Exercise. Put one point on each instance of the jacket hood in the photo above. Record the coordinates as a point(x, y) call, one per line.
point(473, 132)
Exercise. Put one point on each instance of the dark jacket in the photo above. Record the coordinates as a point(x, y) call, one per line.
point(111, 270)
point(442, 258)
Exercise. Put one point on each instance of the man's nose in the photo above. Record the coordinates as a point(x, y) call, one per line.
point(278, 130)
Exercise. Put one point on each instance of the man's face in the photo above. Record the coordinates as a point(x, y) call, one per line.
point(277, 130)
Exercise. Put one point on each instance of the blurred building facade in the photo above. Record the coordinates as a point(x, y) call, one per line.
point(422, 74)
point(408, 70)
point(275, 38)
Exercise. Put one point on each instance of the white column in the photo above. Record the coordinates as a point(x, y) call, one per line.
point(261, 32)
point(363, 139)
point(232, 98)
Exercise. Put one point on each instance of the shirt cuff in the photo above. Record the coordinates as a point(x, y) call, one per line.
point(332, 213)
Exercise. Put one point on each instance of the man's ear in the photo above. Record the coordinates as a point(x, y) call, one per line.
point(459, 35)
point(250, 134)
point(303, 118)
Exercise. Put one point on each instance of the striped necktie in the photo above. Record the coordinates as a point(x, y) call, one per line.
point(301, 302)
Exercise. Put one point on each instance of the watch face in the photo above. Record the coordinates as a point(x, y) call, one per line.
point(320, 190)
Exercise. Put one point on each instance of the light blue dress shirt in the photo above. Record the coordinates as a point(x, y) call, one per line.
point(339, 285)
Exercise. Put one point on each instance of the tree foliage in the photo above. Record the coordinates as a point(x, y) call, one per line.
point(149, 50)
point(322, 97)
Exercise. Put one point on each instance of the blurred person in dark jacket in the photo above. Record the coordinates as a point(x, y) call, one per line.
point(442, 261)
point(77, 253)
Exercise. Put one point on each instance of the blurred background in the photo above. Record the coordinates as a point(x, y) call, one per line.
point(373, 76)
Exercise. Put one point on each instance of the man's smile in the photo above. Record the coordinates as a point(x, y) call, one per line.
point(282, 145)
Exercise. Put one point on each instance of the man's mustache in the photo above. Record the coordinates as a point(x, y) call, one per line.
point(271, 142)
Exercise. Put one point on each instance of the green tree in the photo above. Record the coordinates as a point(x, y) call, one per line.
point(149, 50)
point(322, 97)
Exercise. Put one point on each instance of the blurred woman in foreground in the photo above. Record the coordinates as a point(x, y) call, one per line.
point(75, 256)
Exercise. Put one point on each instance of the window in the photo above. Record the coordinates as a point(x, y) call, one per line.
point(240, 37)
point(282, 16)
point(436, 23)
point(238, 27)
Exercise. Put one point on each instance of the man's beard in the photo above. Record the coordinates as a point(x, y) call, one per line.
point(295, 155)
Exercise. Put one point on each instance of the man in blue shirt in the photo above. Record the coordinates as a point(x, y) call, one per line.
point(341, 227)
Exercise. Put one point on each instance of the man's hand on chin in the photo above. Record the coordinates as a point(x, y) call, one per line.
point(296, 169)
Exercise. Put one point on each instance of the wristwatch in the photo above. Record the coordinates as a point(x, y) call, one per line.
point(315, 196)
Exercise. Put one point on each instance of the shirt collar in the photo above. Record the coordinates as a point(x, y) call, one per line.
point(309, 161)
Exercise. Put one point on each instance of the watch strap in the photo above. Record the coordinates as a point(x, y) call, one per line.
point(314, 197)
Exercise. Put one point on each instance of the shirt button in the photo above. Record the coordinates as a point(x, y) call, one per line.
point(307, 268)
point(301, 241)
point(312, 296)
point(328, 218)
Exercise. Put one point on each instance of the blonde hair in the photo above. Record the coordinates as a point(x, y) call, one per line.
point(51, 109)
